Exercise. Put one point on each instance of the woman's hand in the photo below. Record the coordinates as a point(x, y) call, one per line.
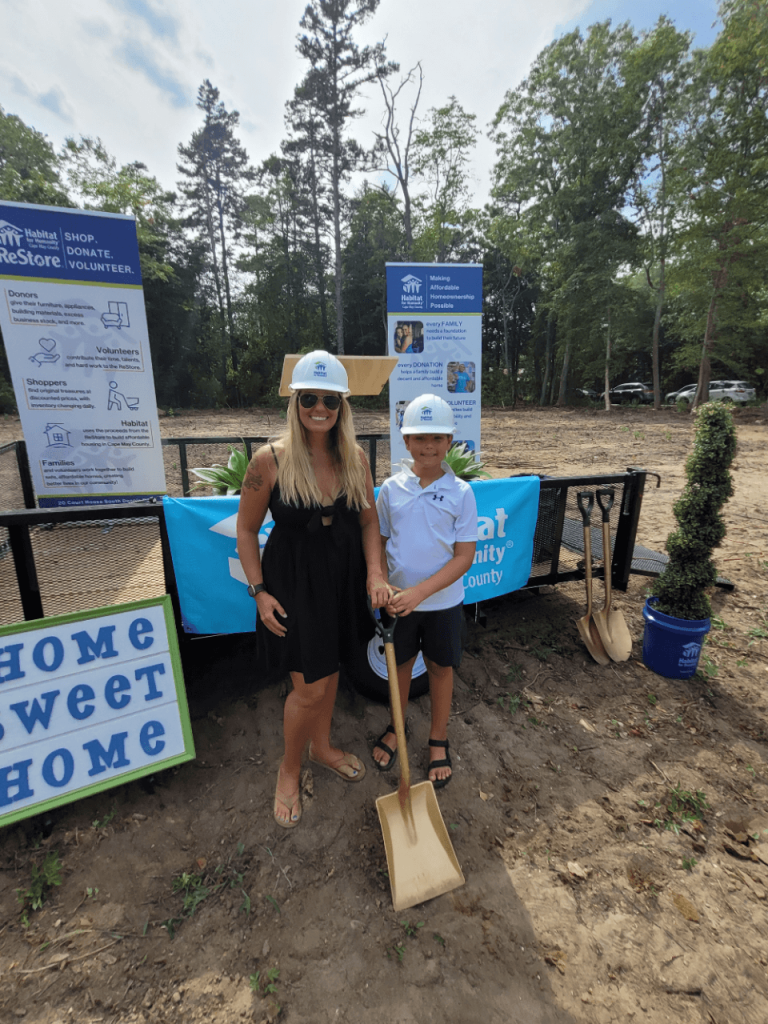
point(404, 602)
point(378, 589)
point(267, 606)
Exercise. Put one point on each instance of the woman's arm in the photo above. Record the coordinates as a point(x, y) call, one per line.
point(408, 600)
point(377, 586)
point(254, 502)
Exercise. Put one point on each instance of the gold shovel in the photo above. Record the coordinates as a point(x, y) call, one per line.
point(586, 624)
point(420, 858)
point(610, 623)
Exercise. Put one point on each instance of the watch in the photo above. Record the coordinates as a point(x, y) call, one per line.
point(256, 588)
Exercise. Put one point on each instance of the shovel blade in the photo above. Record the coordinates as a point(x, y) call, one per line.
point(591, 637)
point(614, 633)
point(421, 860)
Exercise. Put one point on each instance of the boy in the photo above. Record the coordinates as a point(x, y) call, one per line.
point(428, 521)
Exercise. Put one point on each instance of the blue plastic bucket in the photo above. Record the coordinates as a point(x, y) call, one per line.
point(671, 646)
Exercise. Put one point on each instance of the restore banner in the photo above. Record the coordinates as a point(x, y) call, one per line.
point(75, 331)
point(89, 701)
point(211, 581)
point(435, 329)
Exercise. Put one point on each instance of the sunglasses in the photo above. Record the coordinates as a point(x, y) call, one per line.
point(309, 401)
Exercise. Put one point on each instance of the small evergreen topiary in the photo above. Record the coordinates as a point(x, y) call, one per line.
point(682, 587)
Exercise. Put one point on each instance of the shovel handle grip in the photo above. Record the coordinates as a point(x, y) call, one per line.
point(585, 500)
point(386, 632)
point(609, 494)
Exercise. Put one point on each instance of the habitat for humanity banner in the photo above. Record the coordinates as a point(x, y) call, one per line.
point(435, 330)
point(212, 585)
point(75, 331)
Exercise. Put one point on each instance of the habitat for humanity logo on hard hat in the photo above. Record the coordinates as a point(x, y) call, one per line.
point(412, 296)
point(426, 413)
point(321, 369)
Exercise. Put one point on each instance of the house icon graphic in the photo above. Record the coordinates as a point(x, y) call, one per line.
point(58, 436)
point(10, 234)
point(411, 284)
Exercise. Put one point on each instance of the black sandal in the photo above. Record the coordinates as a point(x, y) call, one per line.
point(444, 763)
point(387, 749)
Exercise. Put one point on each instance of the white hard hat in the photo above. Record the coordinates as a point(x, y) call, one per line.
point(428, 414)
point(319, 370)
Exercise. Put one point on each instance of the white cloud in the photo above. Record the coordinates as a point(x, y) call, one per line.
point(128, 70)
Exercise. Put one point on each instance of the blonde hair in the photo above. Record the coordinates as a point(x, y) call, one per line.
point(298, 484)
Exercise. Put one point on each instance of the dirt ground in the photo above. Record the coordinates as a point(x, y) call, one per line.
point(590, 896)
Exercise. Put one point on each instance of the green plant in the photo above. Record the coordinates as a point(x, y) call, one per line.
point(265, 984)
point(411, 930)
point(438, 938)
point(689, 863)
point(509, 702)
point(465, 463)
point(639, 435)
point(44, 878)
point(653, 699)
point(223, 479)
point(103, 822)
point(193, 890)
point(398, 950)
point(682, 587)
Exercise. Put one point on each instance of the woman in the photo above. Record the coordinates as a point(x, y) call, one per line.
point(322, 555)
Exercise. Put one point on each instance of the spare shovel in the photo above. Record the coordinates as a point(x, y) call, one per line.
point(586, 624)
point(420, 858)
point(610, 623)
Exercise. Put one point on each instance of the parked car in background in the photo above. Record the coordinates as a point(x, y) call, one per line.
point(587, 393)
point(719, 391)
point(672, 396)
point(633, 392)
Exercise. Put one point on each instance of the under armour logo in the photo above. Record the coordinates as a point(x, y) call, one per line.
point(437, 497)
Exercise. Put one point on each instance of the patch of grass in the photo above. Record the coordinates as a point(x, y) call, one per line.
point(514, 673)
point(653, 699)
point(681, 806)
point(103, 822)
point(411, 930)
point(264, 984)
point(193, 890)
point(44, 878)
point(689, 863)
point(510, 702)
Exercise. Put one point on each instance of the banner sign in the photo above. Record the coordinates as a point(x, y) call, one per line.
point(73, 321)
point(89, 701)
point(435, 328)
point(211, 582)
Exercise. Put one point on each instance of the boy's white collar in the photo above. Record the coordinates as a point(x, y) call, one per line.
point(407, 465)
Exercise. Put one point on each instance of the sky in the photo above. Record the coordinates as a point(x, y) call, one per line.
point(128, 71)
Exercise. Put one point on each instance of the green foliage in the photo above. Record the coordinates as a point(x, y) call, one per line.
point(44, 878)
point(682, 587)
point(465, 463)
point(220, 479)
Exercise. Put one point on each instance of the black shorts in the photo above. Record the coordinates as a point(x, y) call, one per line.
point(438, 635)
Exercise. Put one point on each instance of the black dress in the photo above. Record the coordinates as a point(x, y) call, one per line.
point(318, 575)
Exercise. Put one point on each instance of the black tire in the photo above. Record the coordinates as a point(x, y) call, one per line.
point(369, 684)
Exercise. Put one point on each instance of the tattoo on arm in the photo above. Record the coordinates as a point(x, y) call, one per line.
point(253, 479)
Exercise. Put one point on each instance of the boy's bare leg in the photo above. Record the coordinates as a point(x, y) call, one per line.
point(404, 673)
point(441, 695)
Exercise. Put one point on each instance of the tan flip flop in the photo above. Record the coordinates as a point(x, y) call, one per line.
point(343, 761)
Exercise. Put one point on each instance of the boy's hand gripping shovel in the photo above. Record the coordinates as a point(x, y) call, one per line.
point(586, 624)
point(420, 858)
point(610, 622)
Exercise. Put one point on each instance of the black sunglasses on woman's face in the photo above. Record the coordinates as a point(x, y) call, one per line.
point(309, 401)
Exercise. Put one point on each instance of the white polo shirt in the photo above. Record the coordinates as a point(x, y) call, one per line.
point(422, 525)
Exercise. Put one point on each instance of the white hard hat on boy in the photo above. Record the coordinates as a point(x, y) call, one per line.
point(428, 414)
point(319, 370)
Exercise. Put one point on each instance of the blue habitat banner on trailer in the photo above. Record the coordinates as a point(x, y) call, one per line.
point(75, 332)
point(211, 582)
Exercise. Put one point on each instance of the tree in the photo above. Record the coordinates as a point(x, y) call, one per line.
point(30, 171)
point(338, 70)
point(441, 154)
point(398, 148)
point(723, 242)
point(659, 65)
point(215, 179)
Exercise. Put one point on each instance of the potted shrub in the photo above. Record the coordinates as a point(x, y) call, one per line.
point(678, 612)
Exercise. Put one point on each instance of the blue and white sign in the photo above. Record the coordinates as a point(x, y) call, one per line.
point(88, 701)
point(75, 332)
point(434, 315)
point(211, 582)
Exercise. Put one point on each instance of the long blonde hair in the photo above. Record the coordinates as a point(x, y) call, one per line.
point(298, 484)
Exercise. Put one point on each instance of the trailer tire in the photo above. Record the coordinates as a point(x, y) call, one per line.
point(372, 682)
